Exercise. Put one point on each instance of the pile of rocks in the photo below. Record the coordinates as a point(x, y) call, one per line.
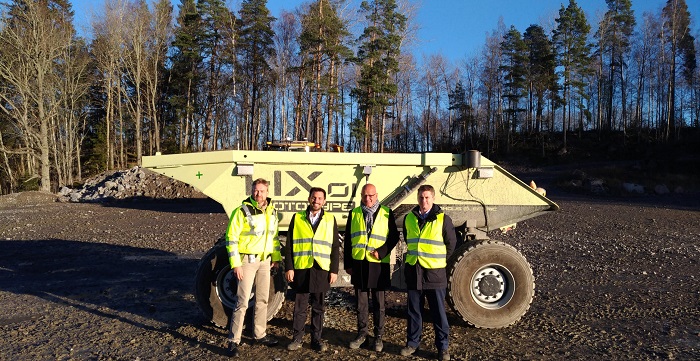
point(581, 181)
point(136, 182)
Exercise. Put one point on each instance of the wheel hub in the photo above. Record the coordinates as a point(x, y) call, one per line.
point(489, 285)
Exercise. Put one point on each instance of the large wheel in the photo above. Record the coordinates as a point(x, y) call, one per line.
point(215, 288)
point(490, 284)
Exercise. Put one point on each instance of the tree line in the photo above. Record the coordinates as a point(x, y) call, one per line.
point(146, 80)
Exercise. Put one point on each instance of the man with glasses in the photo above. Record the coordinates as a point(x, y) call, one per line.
point(370, 236)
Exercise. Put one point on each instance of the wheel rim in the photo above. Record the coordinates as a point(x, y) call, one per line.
point(226, 288)
point(226, 293)
point(492, 286)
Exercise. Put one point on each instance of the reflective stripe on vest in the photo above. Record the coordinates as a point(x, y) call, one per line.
point(361, 244)
point(258, 234)
point(308, 246)
point(425, 246)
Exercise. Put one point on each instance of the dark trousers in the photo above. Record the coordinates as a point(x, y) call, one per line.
point(436, 302)
point(378, 311)
point(318, 308)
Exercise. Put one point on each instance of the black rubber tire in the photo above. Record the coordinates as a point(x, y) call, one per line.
point(215, 288)
point(480, 265)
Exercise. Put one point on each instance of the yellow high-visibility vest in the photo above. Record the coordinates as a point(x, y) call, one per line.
point(425, 246)
point(308, 246)
point(249, 233)
point(363, 245)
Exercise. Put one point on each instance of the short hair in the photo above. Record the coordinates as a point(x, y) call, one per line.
point(260, 181)
point(317, 189)
point(426, 188)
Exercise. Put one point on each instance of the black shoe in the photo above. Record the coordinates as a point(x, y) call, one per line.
point(319, 346)
point(232, 349)
point(267, 341)
point(357, 342)
point(444, 355)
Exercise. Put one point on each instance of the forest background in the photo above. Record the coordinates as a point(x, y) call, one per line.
point(208, 77)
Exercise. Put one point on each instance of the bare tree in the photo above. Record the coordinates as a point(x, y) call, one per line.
point(69, 125)
point(108, 53)
point(6, 167)
point(470, 73)
point(160, 30)
point(490, 78)
point(286, 32)
point(33, 39)
point(405, 134)
point(429, 90)
point(446, 77)
point(135, 63)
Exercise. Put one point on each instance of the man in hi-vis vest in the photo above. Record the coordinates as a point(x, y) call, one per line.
point(253, 248)
point(312, 261)
point(430, 240)
point(370, 235)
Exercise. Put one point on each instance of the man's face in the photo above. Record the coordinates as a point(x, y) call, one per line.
point(369, 195)
point(260, 193)
point(316, 201)
point(425, 201)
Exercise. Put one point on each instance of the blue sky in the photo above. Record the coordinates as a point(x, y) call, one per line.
point(458, 28)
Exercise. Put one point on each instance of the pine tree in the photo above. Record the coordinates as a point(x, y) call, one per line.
point(541, 76)
point(464, 119)
point(680, 43)
point(322, 47)
point(380, 47)
point(255, 46)
point(185, 79)
point(573, 54)
point(614, 32)
point(216, 51)
point(514, 67)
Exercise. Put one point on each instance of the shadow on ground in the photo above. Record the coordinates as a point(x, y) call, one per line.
point(108, 280)
point(180, 205)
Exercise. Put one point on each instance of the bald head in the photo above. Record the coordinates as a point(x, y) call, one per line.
point(369, 195)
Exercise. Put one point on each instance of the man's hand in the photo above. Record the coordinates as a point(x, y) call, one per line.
point(290, 275)
point(334, 276)
point(275, 265)
point(239, 272)
point(374, 254)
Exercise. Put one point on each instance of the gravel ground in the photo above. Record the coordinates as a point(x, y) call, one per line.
point(617, 278)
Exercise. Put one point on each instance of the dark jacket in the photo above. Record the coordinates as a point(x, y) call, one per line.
point(314, 279)
point(419, 278)
point(366, 274)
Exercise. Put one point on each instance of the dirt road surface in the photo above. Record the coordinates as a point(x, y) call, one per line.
point(616, 278)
